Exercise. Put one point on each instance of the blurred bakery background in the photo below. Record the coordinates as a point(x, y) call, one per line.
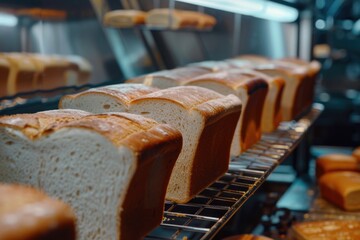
point(73, 34)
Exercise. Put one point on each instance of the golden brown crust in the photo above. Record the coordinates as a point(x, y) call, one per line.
point(179, 75)
point(41, 13)
point(124, 18)
point(247, 237)
point(20, 205)
point(187, 96)
point(235, 78)
point(337, 186)
point(35, 125)
point(180, 19)
point(336, 162)
point(356, 153)
point(329, 230)
point(124, 93)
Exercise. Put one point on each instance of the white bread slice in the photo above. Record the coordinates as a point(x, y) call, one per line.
point(124, 18)
point(252, 90)
point(78, 72)
point(111, 168)
point(26, 213)
point(4, 75)
point(205, 118)
point(172, 78)
point(112, 98)
point(23, 73)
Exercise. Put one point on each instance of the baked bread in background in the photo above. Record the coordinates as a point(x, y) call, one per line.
point(206, 119)
point(247, 237)
point(172, 78)
point(26, 72)
point(342, 189)
point(124, 18)
point(336, 162)
point(251, 89)
point(5, 69)
point(356, 153)
point(111, 168)
point(28, 214)
point(23, 73)
point(327, 229)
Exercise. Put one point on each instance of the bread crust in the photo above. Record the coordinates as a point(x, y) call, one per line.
point(50, 218)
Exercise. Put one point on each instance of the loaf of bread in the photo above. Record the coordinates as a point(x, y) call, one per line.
point(252, 90)
point(336, 162)
point(292, 103)
point(204, 21)
point(171, 18)
point(113, 169)
point(5, 68)
point(174, 77)
point(307, 88)
point(78, 72)
point(28, 214)
point(247, 237)
point(52, 71)
point(42, 13)
point(124, 18)
point(206, 119)
point(23, 73)
point(356, 153)
point(326, 230)
point(112, 98)
point(341, 189)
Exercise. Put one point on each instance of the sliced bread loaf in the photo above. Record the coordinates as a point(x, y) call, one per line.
point(252, 90)
point(111, 168)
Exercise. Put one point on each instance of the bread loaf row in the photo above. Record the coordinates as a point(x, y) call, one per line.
point(163, 17)
point(28, 72)
point(113, 167)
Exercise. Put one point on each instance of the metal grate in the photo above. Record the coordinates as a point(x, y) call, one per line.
point(207, 213)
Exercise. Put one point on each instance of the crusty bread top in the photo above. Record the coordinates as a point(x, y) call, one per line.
point(43, 61)
point(313, 66)
point(22, 63)
point(135, 16)
point(179, 74)
point(185, 17)
point(120, 129)
point(125, 93)
point(235, 78)
point(187, 96)
point(34, 125)
point(256, 59)
point(343, 182)
point(26, 212)
point(42, 13)
point(132, 130)
point(284, 68)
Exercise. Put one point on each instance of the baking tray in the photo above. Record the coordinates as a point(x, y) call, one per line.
point(208, 212)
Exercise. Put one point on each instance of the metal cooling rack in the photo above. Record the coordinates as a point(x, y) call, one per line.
point(207, 213)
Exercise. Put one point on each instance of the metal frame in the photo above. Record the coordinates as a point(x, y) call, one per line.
point(207, 213)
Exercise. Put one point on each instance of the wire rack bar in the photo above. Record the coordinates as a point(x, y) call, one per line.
point(208, 212)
